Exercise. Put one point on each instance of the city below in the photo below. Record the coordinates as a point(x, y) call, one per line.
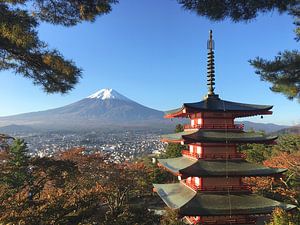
point(118, 145)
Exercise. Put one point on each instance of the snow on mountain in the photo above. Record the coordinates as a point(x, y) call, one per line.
point(108, 93)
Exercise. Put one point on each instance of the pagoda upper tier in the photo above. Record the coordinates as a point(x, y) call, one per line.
point(212, 103)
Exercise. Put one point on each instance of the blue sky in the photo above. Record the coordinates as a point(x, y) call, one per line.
point(154, 52)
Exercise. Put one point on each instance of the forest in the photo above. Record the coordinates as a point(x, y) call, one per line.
point(76, 188)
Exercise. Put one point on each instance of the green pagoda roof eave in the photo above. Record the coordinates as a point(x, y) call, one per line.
point(204, 136)
point(176, 137)
point(188, 167)
point(191, 203)
point(241, 204)
point(174, 165)
point(178, 198)
point(211, 136)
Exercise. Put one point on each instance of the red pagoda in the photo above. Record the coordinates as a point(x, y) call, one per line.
point(210, 188)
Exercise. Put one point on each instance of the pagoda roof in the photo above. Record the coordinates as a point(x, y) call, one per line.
point(189, 167)
point(215, 104)
point(228, 137)
point(212, 136)
point(176, 137)
point(175, 165)
point(191, 203)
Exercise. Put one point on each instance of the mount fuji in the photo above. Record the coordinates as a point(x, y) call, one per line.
point(104, 108)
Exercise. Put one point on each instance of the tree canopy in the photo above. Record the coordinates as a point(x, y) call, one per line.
point(72, 188)
point(23, 52)
point(283, 72)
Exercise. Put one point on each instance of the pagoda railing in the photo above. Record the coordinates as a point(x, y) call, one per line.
point(214, 155)
point(190, 154)
point(215, 126)
point(225, 156)
point(237, 188)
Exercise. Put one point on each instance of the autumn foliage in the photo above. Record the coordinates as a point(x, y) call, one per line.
point(73, 188)
point(285, 187)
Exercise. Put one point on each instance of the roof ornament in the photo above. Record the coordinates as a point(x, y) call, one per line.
point(211, 67)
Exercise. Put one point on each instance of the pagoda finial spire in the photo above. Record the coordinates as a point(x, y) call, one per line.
point(210, 66)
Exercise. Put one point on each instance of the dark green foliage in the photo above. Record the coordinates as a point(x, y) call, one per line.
point(21, 50)
point(284, 71)
point(295, 12)
point(256, 153)
point(179, 128)
point(174, 150)
point(259, 152)
point(287, 143)
point(156, 174)
point(18, 164)
point(71, 12)
point(236, 10)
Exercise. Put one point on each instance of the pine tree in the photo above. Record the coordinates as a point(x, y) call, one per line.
point(283, 72)
point(18, 165)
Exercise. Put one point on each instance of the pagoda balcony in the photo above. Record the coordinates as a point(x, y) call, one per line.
point(215, 126)
point(224, 188)
point(213, 156)
point(190, 154)
point(224, 156)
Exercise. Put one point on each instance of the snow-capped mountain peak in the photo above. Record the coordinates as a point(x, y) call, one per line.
point(108, 93)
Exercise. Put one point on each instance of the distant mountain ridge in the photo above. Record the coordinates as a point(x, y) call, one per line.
point(266, 127)
point(289, 130)
point(102, 109)
point(9, 129)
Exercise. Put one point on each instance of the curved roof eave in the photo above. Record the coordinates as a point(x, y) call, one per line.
point(227, 106)
point(241, 204)
point(191, 203)
point(215, 168)
point(218, 105)
point(210, 136)
point(235, 168)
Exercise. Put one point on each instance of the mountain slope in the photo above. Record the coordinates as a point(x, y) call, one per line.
point(103, 108)
point(289, 130)
point(267, 127)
